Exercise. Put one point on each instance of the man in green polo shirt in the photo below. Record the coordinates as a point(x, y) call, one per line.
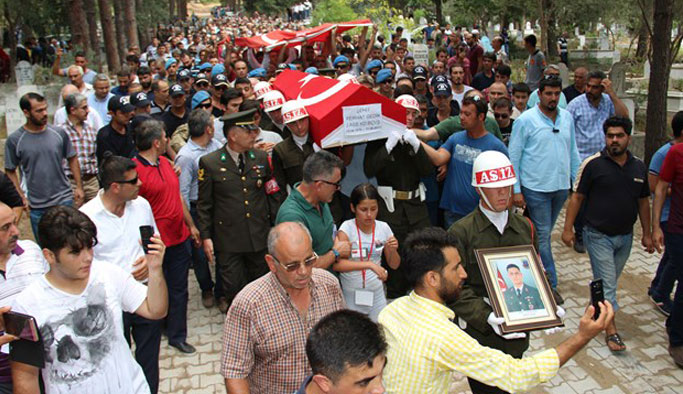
point(446, 128)
point(308, 204)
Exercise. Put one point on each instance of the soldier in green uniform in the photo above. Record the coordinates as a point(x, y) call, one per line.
point(521, 296)
point(237, 205)
point(398, 163)
point(290, 154)
point(490, 225)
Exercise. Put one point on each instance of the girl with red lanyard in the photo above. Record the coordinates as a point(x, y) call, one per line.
point(362, 274)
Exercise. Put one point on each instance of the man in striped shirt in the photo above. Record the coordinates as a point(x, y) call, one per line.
point(21, 262)
point(426, 347)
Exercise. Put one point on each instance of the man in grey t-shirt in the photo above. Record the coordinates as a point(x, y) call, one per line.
point(535, 64)
point(39, 150)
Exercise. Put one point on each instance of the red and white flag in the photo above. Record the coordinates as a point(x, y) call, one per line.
point(291, 38)
point(501, 281)
point(341, 113)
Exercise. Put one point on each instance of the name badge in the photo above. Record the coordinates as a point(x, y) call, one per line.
point(364, 297)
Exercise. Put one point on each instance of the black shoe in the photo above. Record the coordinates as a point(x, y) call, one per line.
point(207, 298)
point(184, 347)
point(579, 248)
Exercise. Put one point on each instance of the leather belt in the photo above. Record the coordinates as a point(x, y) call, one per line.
point(406, 195)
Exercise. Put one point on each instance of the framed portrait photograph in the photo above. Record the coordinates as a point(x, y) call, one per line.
point(518, 288)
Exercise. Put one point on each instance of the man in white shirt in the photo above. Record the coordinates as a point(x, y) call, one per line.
point(118, 212)
point(78, 306)
point(60, 116)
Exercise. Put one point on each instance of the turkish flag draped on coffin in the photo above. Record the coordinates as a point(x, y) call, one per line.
point(277, 38)
point(341, 113)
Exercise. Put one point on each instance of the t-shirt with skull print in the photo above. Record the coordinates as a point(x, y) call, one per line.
point(85, 350)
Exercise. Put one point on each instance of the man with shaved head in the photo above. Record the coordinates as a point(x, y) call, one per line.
point(60, 114)
point(579, 87)
point(282, 306)
point(496, 91)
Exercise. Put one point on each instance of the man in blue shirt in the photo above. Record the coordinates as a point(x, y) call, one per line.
point(543, 151)
point(459, 197)
point(663, 282)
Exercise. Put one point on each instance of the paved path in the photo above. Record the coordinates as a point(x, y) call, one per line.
point(644, 368)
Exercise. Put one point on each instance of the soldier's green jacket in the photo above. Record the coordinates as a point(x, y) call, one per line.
point(234, 209)
point(475, 231)
point(288, 161)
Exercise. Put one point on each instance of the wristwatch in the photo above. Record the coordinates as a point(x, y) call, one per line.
point(336, 254)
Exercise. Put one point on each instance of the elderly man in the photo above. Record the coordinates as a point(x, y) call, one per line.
point(578, 87)
point(98, 100)
point(83, 136)
point(273, 306)
point(425, 347)
point(79, 60)
point(61, 116)
point(499, 90)
point(75, 74)
point(309, 201)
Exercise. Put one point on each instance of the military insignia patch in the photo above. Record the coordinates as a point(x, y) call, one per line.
point(200, 174)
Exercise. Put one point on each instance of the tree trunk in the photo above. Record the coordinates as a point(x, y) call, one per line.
point(439, 11)
point(120, 30)
point(79, 26)
point(171, 9)
point(544, 9)
point(182, 9)
point(655, 128)
point(643, 40)
point(12, 40)
point(552, 33)
point(90, 13)
point(143, 27)
point(113, 59)
point(131, 24)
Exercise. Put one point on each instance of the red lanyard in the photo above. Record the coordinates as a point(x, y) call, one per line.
point(360, 247)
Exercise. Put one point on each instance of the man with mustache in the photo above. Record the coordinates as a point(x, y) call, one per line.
point(613, 186)
point(543, 151)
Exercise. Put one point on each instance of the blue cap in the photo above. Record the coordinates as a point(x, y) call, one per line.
point(217, 69)
point(257, 73)
point(311, 70)
point(170, 62)
point(383, 75)
point(373, 64)
point(205, 66)
point(340, 59)
point(199, 97)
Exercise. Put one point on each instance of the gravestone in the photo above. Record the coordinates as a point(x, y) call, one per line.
point(423, 21)
point(582, 41)
point(14, 118)
point(576, 31)
point(564, 74)
point(631, 106)
point(24, 73)
point(646, 69)
point(421, 54)
point(617, 74)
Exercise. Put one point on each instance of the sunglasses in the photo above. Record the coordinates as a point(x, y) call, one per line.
point(291, 267)
point(501, 116)
point(204, 105)
point(337, 185)
point(339, 66)
point(388, 81)
point(133, 181)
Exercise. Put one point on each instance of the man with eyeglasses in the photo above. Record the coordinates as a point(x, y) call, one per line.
point(282, 307)
point(502, 112)
point(308, 203)
point(385, 83)
point(236, 206)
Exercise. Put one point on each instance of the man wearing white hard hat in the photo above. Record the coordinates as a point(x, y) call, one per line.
point(272, 103)
point(398, 163)
point(290, 154)
point(490, 225)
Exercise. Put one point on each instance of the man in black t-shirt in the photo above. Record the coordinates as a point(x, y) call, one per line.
point(177, 114)
point(115, 137)
point(502, 111)
point(579, 87)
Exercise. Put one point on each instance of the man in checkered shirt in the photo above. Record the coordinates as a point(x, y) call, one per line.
point(265, 331)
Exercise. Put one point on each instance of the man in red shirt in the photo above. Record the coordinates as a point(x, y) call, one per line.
point(671, 175)
point(160, 186)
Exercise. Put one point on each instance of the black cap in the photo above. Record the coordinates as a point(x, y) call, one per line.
point(184, 73)
point(442, 89)
point(139, 100)
point(220, 80)
point(201, 77)
point(439, 79)
point(177, 90)
point(120, 103)
point(242, 119)
point(419, 72)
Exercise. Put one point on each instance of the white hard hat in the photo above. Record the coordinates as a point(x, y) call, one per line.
point(261, 88)
point(273, 100)
point(408, 101)
point(293, 110)
point(346, 77)
point(493, 169)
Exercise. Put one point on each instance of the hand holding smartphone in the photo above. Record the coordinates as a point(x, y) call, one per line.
point(597, 295)
point(21, 326)
point(146, 233)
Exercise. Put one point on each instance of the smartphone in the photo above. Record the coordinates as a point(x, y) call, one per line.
point(597, 295)
point(146, 233)
point(21, 326)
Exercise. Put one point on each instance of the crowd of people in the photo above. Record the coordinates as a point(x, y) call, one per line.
point(342, 270)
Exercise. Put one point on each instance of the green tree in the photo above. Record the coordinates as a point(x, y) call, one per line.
point(333, 11)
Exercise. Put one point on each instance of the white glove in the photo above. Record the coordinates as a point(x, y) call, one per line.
point(495, 323)
point(560, 313)
point(393, 139)
point(409, 137)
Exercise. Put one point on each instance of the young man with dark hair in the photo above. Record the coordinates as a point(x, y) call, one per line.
point(663, 283)
point(78, 306)
point(544, 154)
point(520, 95)
point(486, 76)
point(347, 353)
point(535, 63)
point(502, 111)
point(425, 347)
point(115, 137)
point(613, 186)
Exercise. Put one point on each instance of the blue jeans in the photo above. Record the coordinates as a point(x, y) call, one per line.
point(663, 283)
point(674, 324)
point(176, 265)
point(544, 208)
point(37, 213)
point(608, 255)
point(201, 265)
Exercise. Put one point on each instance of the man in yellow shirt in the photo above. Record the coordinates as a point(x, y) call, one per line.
point(426, 347)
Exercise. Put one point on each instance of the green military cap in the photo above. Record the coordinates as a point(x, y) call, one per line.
point(243, 119)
